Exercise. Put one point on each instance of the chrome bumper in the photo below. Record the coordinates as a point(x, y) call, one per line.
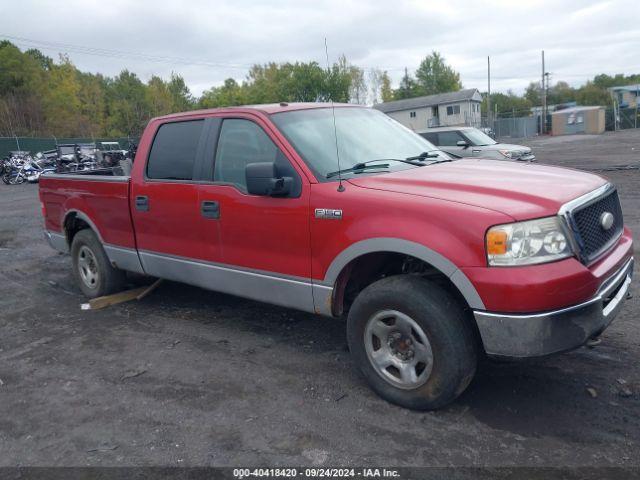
point(538, 334)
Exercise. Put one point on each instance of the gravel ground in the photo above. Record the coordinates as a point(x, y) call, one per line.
point(190, 377)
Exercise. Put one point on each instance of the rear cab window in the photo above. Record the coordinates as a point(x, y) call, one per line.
point(174, 150)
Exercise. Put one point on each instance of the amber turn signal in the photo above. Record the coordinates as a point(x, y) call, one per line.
point(496, 242)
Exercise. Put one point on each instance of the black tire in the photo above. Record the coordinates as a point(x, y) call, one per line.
point(17, 180)
point(86, 247)
point(442, 318)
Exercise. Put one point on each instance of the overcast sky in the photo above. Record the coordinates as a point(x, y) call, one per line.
point(208, 41)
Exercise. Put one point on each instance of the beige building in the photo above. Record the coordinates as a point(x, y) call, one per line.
point(441, 110)
point(626, 96)
point(578, 120)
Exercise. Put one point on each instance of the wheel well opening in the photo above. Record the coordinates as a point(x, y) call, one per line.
point(72, 225)
point(371, 267)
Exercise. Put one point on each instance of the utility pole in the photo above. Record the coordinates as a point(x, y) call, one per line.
point(635, 119)
point(543, 120)
point(489, 94)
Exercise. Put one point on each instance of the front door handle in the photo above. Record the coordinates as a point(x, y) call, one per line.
point(210, 209)
point(142, 203)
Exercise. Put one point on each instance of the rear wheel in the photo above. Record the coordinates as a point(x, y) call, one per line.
point(91, 267)
point(412, 342)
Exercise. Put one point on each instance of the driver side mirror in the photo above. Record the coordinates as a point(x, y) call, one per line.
point(462, 143)
point(262, 179)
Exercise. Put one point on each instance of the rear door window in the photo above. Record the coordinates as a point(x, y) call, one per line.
point(449, 139)
point(432, 137)
point(174, 150)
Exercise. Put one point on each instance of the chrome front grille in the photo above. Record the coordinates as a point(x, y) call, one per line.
point(592, 233)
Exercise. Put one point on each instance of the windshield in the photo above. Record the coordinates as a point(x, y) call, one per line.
point(478, 138)
point(363, 135)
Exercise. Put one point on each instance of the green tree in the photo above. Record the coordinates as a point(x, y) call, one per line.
point(605, 81)
point(532, 94)
point(337, 82)
point(561, 92)
point(304, 82)
point(408, 87)
point(181, 97)
point(22, 85)
point(226, 95)
point(158, 96)
point(592, 94)
point(61, 101)
point(507, 104)
point(358, 90)
point(45, 62)
point(435, 76)
point(386, 92)
point(128, 107)
point(93, 105)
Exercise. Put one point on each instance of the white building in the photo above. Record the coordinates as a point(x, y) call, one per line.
point(444, 109)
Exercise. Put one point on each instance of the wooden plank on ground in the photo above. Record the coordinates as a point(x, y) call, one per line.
point(120, 297)
point(115, 298)
point(149, 289)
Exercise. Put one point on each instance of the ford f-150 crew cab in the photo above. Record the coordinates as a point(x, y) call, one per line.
point(342, 211)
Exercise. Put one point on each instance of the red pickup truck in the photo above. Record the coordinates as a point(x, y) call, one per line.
point(342, 211)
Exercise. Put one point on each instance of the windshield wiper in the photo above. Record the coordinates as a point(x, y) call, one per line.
point(359, 167)
point(425, 155)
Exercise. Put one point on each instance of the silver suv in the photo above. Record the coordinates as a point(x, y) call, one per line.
point(471, 142)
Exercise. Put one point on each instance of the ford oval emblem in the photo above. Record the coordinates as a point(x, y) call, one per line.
point(606, 220)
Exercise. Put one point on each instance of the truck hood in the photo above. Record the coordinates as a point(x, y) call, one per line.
point(522, 191)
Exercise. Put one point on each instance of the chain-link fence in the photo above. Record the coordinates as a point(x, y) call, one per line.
point(40, 144)
point(626, 118)
point(527, 123)
point(514, 124)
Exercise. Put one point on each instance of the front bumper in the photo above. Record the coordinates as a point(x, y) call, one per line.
point(527, 157)
point(538, 334)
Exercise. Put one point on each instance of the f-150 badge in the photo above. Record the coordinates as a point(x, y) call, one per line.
point(328, 213)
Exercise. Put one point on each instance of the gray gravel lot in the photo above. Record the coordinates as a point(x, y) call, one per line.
point(191, 377)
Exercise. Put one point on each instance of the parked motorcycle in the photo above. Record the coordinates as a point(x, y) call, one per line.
point(37, 167)
point(12, 171)
point(20, 168)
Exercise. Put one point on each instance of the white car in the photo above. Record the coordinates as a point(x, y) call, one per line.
point(471, 142)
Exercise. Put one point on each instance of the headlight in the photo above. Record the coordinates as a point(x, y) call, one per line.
point(527, 243)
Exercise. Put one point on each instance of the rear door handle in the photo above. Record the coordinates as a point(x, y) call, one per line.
point(142, 203)
point(210, 209)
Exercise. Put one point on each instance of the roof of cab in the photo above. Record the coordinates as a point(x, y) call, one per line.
point(268, 108)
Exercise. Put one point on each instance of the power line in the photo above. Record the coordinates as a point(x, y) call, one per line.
point(103, 52)
point(61, 47)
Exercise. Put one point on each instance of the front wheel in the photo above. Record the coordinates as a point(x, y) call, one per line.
point(91, 267)
point(412, 342)
point(16, 179)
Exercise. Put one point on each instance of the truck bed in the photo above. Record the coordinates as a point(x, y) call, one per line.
point(97, 197)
